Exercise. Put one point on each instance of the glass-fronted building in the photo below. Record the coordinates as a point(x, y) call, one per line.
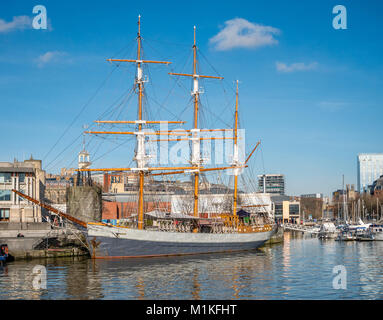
point(370, 168)
point(271, 183)
point(287, 209)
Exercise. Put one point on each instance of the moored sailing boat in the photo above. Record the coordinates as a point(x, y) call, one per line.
point(157, 233)
point(232, 233)
point(328, 230)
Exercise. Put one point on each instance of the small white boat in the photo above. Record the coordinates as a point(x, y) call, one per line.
point(361, 226)
point(367, 236)
point(328, 230)
point(377, 231)
point(346, 236)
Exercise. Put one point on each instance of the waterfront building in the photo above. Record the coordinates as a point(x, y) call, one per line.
point(56, 189)
point(67, 172)
point(313, 195)
point(118, 182)
point(377, 187)
point(312, 206)
point(352, 194)
point(124, 205)
point(286, 209)
point(56, 185)
point(271, 183)
point(338, 196)
point(370, 168)
point(98, 178)
point(292, 211)
point(341, 195)
point(27, 177)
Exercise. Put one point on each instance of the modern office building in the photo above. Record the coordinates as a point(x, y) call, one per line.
point(370, 168)
point(271, 183)
point(287, 209)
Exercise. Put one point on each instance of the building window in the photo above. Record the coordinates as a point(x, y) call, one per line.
point(4, 214)
point(21, 177)
point(294, 209)
point(278, 210)
point(5, 177)
point(115, 179)
point(5, 195)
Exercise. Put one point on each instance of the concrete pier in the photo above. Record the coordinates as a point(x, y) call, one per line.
point(39, 240)
point(50, 253)
point(28, 229)
point(52, 246)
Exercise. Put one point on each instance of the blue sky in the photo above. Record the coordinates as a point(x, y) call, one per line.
point(311, 93)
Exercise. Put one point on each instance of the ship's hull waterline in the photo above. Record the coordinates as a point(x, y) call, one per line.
point(115, 242)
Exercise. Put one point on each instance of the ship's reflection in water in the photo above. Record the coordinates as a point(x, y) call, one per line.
point(300, 268)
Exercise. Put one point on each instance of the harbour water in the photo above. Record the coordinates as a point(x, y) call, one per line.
point(298, 268)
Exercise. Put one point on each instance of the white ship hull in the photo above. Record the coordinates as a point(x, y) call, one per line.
point(116, 242)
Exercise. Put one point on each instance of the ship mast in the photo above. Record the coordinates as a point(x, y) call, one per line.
point(193, 134)
point(196, 140)
point(236, 164)
point(235, 155)
point(140, 156)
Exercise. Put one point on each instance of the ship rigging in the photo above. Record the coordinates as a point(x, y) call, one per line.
point(175, 233)
point(192, 135)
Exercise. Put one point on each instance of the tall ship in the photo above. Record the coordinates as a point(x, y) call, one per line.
point(165, 231)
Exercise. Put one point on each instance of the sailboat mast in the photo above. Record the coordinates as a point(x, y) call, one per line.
point(195, 91)
point(344, 200)
point(140, 156)
point(139, 73)
point(235, 157)
point(195, 154)
point(195, 138)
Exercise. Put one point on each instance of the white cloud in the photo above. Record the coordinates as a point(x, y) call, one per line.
point(50, 56)
point(240, 33)
point(17, 23)
point(299, 66)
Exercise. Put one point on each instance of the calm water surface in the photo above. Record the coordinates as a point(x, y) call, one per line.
point(300, 268)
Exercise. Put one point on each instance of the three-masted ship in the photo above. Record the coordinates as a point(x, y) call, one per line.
point(175, 234)
point(163, 232)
